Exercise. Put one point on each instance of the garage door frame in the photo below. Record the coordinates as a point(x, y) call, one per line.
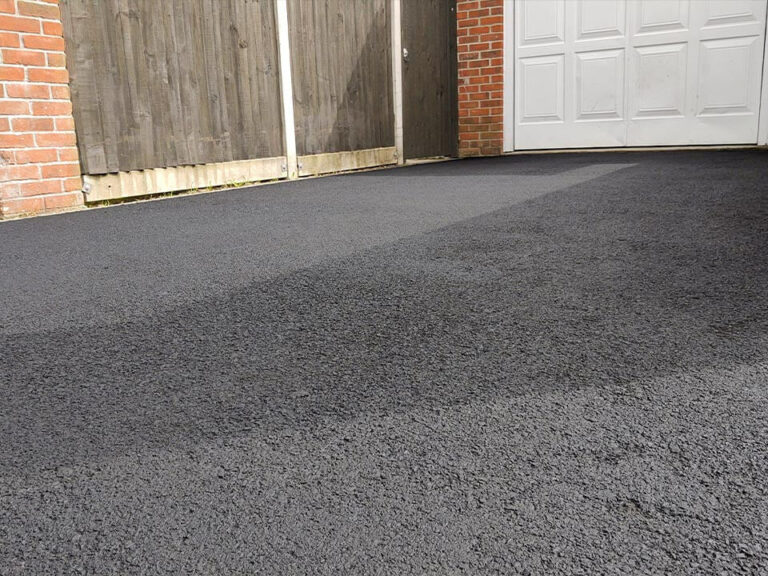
point(509, 82)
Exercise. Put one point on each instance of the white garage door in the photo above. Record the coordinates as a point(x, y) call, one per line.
point(637, 72)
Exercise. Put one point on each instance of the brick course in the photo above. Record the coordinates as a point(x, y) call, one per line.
point(480, 46)
point(39, 162)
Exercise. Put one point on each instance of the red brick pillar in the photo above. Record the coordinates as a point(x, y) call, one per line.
point(480, 31)
point(39, 163)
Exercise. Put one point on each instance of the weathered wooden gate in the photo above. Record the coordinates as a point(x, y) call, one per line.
point(430, 92)
point(172, 83)
point(342, 75)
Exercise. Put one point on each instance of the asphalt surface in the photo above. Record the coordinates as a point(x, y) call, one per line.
point(524, 365)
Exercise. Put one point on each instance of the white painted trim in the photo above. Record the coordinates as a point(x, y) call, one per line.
point(331, 162)
point(509, 75)
point(286, 88)
point(762, 126)
point(182, 178)
point(397, 77)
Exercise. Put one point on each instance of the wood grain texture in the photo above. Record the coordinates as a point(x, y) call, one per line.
point(342, 74)
point(430, 89)
point(173, 82)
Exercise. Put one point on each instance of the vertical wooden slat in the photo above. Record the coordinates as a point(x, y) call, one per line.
point(220, 71)
point(176, 75)
point(207, 93)
point(397, 75)
point(127, 137)
point(280, 16)
point(163, 129)
point(107, 60)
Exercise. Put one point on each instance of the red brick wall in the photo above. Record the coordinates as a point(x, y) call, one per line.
point(39, 165)
point(480, 30)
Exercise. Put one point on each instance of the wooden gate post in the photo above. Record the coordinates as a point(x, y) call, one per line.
point(286, 88)
point(397, 77)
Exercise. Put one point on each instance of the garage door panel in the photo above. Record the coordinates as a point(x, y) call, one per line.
point(600, 19)
point(724, 76)
point(731, 19)
point(652, 17)
point(599, 85)
point(541, 22)
point(659, 77)
point(541, 85)
point(729, 12)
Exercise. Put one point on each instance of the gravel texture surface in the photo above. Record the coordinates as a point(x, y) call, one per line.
point(523, 365)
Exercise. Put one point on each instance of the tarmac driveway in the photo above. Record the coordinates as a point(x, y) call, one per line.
point(523, 365)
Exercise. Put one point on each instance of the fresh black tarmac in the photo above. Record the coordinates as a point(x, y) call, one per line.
point(546, 364)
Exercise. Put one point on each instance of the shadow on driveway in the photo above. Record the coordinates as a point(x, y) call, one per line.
point(647, 271)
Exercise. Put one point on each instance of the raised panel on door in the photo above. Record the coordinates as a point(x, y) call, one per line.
point(724, 86)
point(654, 17)
point(541, 90)
point(600, 19)
point(727, 12)
point(540, 22)
point(570, 74)
point(659, 85)
point(599, 85)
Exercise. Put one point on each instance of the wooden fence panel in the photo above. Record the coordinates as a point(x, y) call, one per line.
point(161, 83)
point(430, 90)
point(342, 74)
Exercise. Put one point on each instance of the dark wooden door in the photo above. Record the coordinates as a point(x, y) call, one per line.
point(430, 92)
